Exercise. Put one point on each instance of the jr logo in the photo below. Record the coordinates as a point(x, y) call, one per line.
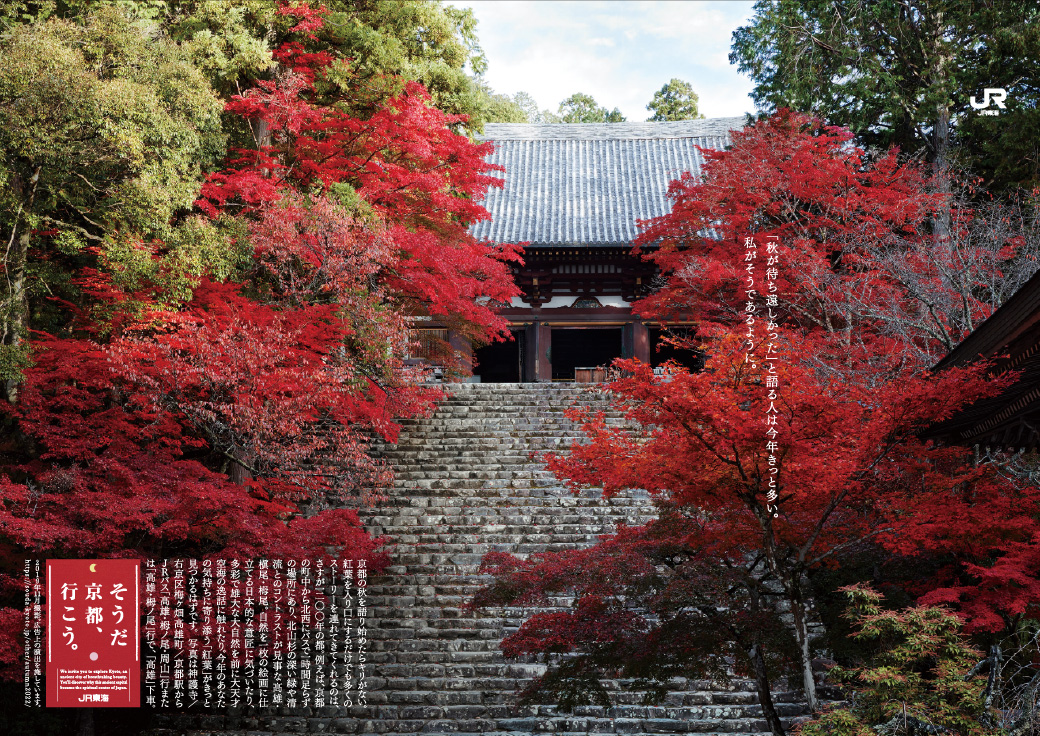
point(990, 95)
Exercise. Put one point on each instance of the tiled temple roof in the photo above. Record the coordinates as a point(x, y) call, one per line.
point(588, 183)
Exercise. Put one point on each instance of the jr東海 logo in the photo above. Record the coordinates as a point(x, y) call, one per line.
point(990, 96)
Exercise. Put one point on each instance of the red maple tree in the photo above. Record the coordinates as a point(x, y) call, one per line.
point(845, 396)
point(412, 177)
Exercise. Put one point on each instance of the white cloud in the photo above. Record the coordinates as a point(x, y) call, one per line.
point(619, 52)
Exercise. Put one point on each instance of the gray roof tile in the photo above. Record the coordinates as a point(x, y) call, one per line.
point(588, 183)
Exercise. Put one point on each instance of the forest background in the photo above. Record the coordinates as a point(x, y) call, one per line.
point(220, 219)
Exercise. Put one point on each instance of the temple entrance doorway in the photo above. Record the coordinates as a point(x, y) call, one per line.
point(661, 350)
point(583, 347)
point(501, 362)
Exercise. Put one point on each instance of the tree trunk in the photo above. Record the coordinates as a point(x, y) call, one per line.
point(263, 136)
point(758, 666)
point(239, 471)
point(801, 635)
point(765, 696)
point(941, 132)
point(16, 319)
point(14, 314)
point(941, 139)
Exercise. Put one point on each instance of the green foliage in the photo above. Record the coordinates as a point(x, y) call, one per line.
point(583, 108)
point(675, 101)
point(895, 574)
point(382, 42)
point(534, 114)
point(14, 359)
point(903, 72)
point(106, 130)
point(916, 680)
point(498, 108)
point(118, 122)
point(227, 40)
point(422, 40)
point(197, 247)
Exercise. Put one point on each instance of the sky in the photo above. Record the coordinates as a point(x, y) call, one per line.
point(619, 52)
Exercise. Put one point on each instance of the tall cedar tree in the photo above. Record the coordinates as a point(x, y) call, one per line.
point(904, 72)
point(847, 401)
point(203, 416)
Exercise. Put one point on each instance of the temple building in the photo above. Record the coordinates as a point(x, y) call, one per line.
point(573, 196)
point(1010, 339)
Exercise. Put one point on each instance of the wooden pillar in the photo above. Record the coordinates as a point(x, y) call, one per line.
point(640, 342)
point(543, 353)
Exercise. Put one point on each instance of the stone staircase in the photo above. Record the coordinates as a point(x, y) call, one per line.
point(466, 484)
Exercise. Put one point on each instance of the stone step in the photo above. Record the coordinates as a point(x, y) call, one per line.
point(480, 516)
point(498, 419)
point(526, 501)
point(495, 477)
point(485, 439)
point(490, 722)
point(479, 504)
point(474, 521)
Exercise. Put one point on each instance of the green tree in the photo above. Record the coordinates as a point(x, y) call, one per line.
point(918, 680)
point(530, 107)
point(583, 108)
point(903, 72)
point(105, 131)
point(421, 40)
point(674, 101)
point(381, 45)
point(499, 108)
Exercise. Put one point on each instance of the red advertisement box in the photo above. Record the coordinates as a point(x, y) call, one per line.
point(93, 634)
